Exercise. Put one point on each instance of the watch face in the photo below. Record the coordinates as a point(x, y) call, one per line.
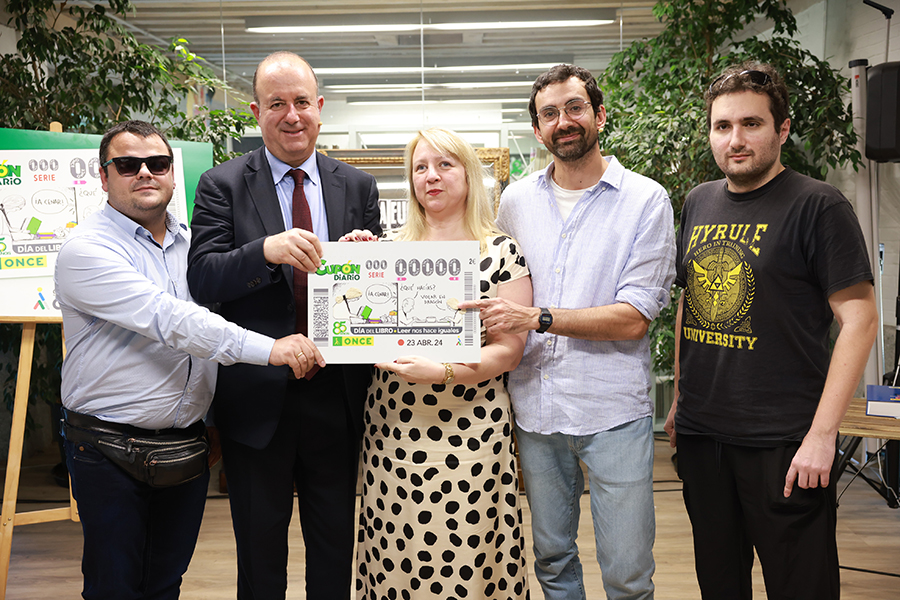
point(545, 320)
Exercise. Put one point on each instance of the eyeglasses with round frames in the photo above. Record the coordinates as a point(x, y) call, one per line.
point(755, 77)
point(574, 108)
point(129, 166)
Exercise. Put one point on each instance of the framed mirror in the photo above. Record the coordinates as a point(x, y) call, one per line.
point(386, 165)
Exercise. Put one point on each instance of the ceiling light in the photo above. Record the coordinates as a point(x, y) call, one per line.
point(485, 84)
point(389, 102)
point(432, 70)
point(414, 87)
point(460, 101)
point(376, 87)
point(517, 25)
point(440, 21)
point(485, 100)
point(373, 28)
point(387, 89)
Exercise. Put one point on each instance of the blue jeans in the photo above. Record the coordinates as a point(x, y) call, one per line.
point(620, 469)
point(138, 540)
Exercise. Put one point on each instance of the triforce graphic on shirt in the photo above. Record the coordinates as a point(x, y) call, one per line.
point(720, 285)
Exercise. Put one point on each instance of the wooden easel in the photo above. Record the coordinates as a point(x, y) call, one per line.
point(10, 518)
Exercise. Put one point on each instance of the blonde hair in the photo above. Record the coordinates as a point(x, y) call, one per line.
point(479, 216)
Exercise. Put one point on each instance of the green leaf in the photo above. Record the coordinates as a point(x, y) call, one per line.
point(89, 75)
point(654, 93)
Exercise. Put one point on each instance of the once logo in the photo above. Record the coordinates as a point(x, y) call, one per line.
point(22, 262)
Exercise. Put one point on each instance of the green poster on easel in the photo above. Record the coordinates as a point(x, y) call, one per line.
point(49, 182)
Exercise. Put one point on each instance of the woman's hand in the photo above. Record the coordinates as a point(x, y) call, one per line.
point(359, 235)
point(415, 369)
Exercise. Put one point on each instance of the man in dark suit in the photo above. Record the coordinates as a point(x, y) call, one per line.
point(249, 253)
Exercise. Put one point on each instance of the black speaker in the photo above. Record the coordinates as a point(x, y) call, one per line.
point(883, 113)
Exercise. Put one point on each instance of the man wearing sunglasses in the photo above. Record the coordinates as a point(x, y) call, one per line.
point(141, 362)
point(769, 258)
point(600, 243)
point(257, 224)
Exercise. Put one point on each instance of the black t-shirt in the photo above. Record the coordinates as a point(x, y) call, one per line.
point(758, 269)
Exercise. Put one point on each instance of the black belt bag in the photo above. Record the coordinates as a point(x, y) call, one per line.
point(160, 458)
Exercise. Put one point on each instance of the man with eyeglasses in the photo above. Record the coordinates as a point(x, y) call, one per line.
point(600, 243)
point(256, 228)
point(769, 258)
point(141, 363)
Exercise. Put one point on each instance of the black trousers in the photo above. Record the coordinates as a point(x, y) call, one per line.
point(734, 497)
point(315, 448)
point(138, 540)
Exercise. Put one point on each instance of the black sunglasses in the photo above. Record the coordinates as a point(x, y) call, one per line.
point(129, 166)
point(755, 77)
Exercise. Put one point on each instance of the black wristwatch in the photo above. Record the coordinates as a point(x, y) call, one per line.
point(545, 320)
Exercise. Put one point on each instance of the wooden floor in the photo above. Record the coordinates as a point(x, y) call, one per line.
point(46, 557)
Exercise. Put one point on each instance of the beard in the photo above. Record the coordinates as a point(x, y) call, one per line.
point(751, 175)
point(575, 149)
point(753, 172)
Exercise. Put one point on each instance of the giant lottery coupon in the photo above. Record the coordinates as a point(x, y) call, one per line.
point(376, 301)
point(44, 195)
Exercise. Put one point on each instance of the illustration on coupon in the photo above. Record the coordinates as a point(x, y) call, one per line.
point(394, 304)
point(380, 301)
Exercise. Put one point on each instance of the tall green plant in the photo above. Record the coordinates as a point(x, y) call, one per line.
point(79, 65)
point(205, 125)
point(657, 116)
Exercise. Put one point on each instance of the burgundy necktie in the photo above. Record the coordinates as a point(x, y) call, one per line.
point(301, 220)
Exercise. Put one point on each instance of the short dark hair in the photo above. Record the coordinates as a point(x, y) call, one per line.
point(736, 79)
point(138, 128)
point(280, 55)
point(559, 74)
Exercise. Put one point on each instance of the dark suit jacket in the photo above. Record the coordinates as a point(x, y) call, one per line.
point(236, 207)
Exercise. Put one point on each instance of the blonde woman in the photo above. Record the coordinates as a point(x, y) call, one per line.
point(440, 511)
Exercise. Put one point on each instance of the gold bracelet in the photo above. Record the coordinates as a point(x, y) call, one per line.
point(448, 374)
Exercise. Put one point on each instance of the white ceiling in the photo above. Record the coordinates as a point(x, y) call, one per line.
point(206, 22)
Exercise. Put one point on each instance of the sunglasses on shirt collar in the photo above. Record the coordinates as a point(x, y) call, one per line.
point(129, 166)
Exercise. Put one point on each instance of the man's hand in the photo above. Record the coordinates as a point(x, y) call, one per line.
point(669, 427)
point(812, 463)
point(296, 351)
point(415, 369)
point(855, 310)
point(298, 248)
point(215, 446)
point(500, 315)
point(359, 235)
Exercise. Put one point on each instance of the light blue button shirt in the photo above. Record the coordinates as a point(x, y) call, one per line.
point(139, 350)
point(312, 187)
point(617, 246)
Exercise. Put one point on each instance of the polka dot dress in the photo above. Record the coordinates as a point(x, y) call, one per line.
point(440, 511)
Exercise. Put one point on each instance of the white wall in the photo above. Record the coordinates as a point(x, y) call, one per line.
point(8, 39)
point(850, 31)
point(364, 126)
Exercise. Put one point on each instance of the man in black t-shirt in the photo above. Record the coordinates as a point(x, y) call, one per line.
point(768, 258)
